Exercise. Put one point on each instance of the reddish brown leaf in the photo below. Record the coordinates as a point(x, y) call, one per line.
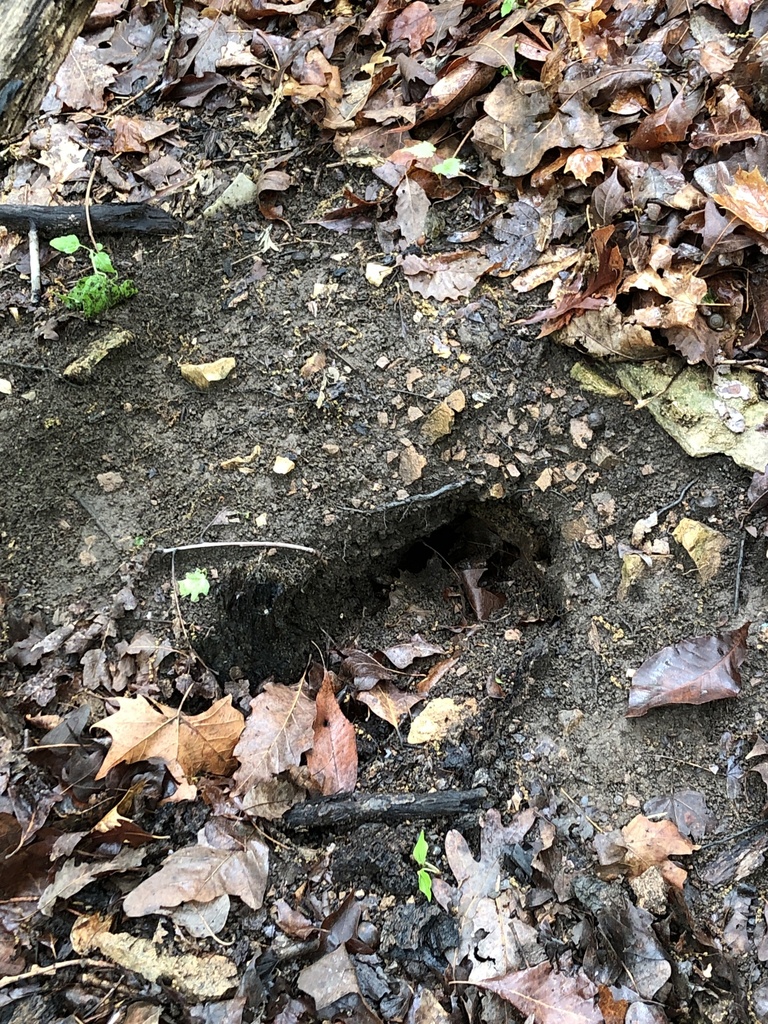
point(550, 996)
point(484, 602)
point(670, 124)
point(695, 671)
point(435, 674)
point(650, 844)
point(270, 183)
point(133, 134)
point(293, 922)
point(333, 758)
point(416, 23)
point(747, 198)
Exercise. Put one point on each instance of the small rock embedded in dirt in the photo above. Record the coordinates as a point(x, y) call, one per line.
point(283, 466)
point(110, 482)
point(703, 544)
point(439, 423)
point(570, 719)
point(411, 465)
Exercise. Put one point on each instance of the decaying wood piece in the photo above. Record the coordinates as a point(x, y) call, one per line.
point(106, 218)
point(387, 807)
point(35, 38)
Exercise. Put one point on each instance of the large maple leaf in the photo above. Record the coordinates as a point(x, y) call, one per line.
point(189, 744)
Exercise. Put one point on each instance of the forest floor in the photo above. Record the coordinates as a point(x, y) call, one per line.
point(444, 506)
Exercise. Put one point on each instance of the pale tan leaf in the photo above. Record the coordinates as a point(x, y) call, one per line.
point(276, 734)
point(189, 744)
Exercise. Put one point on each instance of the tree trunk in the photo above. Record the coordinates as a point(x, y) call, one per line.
point(35, 38)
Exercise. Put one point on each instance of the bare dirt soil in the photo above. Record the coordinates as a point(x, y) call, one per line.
point(542, 684)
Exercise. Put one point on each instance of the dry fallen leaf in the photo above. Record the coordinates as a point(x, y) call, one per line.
point(694, 671)
point(332, 762)
point(202, 874)
point(549, 996)
point(199, 978)
point(650, 844)
point(278, 731)
point(188, 744)
point(438, 718)
point(203, 374)
point(403, 655)
point(389, 703)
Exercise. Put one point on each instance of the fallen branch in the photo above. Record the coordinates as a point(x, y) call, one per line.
point(241, 544)
point(106, 218)
point(386, 807)
point(39, 972)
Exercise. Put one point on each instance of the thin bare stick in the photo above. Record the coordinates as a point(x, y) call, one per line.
point(36, 971)
point(241, 544)
point(34, 263)
point(88, 203)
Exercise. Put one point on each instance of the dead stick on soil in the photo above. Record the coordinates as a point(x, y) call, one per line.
point(412, 499)
point(386, 807)
point(739, 566)
point(241, 544)
point(34, 264)
point(36, 971)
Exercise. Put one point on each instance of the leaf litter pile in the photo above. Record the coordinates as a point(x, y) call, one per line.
point(136, 823)
point(613, 152)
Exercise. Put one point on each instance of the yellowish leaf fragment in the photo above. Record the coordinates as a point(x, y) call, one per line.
point(203, 374)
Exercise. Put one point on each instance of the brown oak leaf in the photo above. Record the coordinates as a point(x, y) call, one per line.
point(189, 744)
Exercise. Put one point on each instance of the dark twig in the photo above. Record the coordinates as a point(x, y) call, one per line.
point(678, 501)
point(412, 499)
point(387, 807)
point(739, 566)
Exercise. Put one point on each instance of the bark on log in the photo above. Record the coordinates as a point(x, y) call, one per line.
point(359, 810)
point(106, 218)
point(35, 38)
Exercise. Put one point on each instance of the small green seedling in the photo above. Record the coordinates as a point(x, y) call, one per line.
point(426, 870)
point(508, 6)
point(449, 168)
point(99, 291)
point(194, 585)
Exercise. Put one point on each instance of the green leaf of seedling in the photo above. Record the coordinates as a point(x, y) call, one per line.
point(508, 6)
point(66, 243)
point(102, 264)
point(194, 585)
point(420, 850)
point(425, 883)
point(449, 168)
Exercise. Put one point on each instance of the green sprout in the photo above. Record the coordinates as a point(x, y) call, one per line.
point(508, 6)
point(194, 585)
point(449, 168)
point(99, 291)
point(426, 870)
